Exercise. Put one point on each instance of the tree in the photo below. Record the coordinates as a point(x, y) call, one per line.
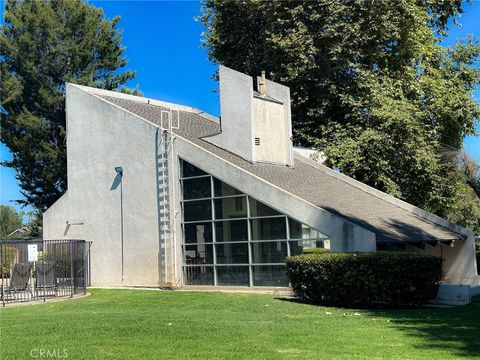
point(10, 220)
point(44, 44)
point(471, 171)
point(371, 85)
point(465, 206)
point(35, 224)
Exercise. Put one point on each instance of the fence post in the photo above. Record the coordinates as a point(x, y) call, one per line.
point(2, 254)
point(89, 263)
point(85, 268)
point(44, 267)
point(71, 268)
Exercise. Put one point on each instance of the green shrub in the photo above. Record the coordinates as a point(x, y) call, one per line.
point(316, 251)
point(8, 255)
point(365, 279)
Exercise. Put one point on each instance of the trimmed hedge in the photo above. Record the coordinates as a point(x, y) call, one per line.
point(316, 251)
point(365, 279)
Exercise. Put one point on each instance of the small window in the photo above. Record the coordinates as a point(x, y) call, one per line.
point(257, 141)
point(189, 170)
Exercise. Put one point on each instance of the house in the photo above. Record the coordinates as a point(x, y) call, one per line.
point(171, 196)
point(21, 232)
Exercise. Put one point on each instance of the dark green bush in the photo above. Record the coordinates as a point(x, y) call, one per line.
point(316, 251)
point(365, 279)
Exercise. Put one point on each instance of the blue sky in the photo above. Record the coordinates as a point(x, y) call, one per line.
point(163, 46)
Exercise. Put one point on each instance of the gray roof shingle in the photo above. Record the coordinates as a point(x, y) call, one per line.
point(310, 181)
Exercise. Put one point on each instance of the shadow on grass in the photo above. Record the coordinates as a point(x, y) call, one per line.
point(455, 329)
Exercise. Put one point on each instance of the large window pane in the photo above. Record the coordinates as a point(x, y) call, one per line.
point(269, 252)
point(197, 188)
point(198, 254)
point(197, 210)
point(198, 233)
point(269, 275)
point(232, 275)
point(302, 231)
point(269, 229)
point(222, 189)
point(298, 247)
point(233, 253)
point(228, 208)
point(198, 275)
point(189, 170)
point(227, 235)
point(260, 209)
point(234, 230)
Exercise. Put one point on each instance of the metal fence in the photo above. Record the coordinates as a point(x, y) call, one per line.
point(36, 269)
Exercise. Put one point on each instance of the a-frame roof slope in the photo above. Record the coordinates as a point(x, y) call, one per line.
point(308, 180)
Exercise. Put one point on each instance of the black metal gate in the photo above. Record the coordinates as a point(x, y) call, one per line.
point(36, 269)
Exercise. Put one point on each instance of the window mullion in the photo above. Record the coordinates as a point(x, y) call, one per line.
point(214, 235)
point(288, 235)
point(249, 242)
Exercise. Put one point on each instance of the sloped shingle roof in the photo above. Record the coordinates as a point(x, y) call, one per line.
point(310, 181)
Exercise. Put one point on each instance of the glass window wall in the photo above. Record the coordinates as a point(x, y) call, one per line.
point(198, 188)
point(231, 239)
point(231, 207)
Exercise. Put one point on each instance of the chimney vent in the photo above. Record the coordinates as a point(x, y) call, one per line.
point(262, 88)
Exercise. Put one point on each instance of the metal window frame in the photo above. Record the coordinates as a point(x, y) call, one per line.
point(248, 218)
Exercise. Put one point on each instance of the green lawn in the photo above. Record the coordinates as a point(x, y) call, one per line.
point(134, 324)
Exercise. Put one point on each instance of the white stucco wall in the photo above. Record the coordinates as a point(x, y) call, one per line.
point(270, 128)
point(282, 93)
point(101, 136)
point(236, 108)
point(459, 262)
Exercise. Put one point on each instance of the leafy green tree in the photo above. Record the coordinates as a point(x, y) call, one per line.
point(10, 220)
point(465, 206)
point(43, 44)
point(35, 224)
point(471, 171)
point(371, 85)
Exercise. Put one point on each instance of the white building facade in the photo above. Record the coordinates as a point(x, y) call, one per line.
point(170, 196)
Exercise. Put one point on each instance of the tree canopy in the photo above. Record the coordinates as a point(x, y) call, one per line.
point(10, 220)
point(371, 86)
point(44, 44)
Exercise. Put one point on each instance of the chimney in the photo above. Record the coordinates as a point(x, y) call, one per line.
point(262, 86)
point(255, 125)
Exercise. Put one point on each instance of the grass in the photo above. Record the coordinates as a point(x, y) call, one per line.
point(135, 324)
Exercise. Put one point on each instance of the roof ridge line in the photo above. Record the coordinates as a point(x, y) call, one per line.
point(123, 109)
point(423, 214)
point(147, 101)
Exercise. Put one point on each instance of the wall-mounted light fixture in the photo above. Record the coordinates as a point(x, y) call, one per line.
point(75, 222)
